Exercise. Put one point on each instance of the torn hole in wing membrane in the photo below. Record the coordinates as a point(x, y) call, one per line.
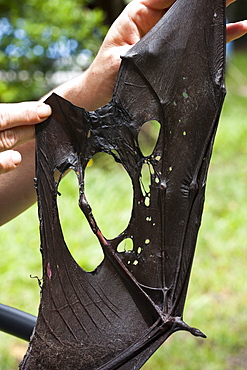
point(145, 179)
point(148, 137)
point(108, 189)
point(125, 245)
point(129, 254)
point(108, 192)
point(147, 141)
point(81, 242)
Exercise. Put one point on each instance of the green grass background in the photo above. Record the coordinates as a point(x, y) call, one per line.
point(217, 297)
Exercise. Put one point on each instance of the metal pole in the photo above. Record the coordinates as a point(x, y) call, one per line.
point(16, 322)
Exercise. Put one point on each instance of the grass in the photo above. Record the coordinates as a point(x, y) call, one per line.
point(217, 297)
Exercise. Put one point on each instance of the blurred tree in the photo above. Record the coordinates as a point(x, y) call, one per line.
point(42, 39)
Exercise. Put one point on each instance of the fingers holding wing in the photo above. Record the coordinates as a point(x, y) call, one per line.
point(19, 114)
point(235, 30)
point(15, 136)
point(17, 122)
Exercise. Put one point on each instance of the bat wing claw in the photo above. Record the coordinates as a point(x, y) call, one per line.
point(181, 325)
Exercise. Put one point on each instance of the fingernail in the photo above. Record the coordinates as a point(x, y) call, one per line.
point(16, 157)
point(44, 110)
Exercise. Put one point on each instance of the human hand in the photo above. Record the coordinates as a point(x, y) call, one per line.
point(133, 23)
point(237, 29)
point(94, 87)
point(17, 122)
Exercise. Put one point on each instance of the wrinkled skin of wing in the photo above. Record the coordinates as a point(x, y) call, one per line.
point(118, 315)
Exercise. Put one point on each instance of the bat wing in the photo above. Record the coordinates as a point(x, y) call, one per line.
point(118, 315)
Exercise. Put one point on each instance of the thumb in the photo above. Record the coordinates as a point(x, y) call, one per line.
point(19, 114)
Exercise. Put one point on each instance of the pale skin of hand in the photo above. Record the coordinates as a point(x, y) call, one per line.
point(91, 90)
point(16, 127)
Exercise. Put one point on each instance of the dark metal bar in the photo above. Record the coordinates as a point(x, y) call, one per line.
point(16, 322)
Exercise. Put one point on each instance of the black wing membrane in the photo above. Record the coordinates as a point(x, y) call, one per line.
point(116, 316)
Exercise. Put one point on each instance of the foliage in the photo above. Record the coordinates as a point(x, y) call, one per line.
point(39, 38)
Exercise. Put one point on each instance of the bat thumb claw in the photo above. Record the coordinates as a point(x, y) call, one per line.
point(181, 325)
point(197, 333)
